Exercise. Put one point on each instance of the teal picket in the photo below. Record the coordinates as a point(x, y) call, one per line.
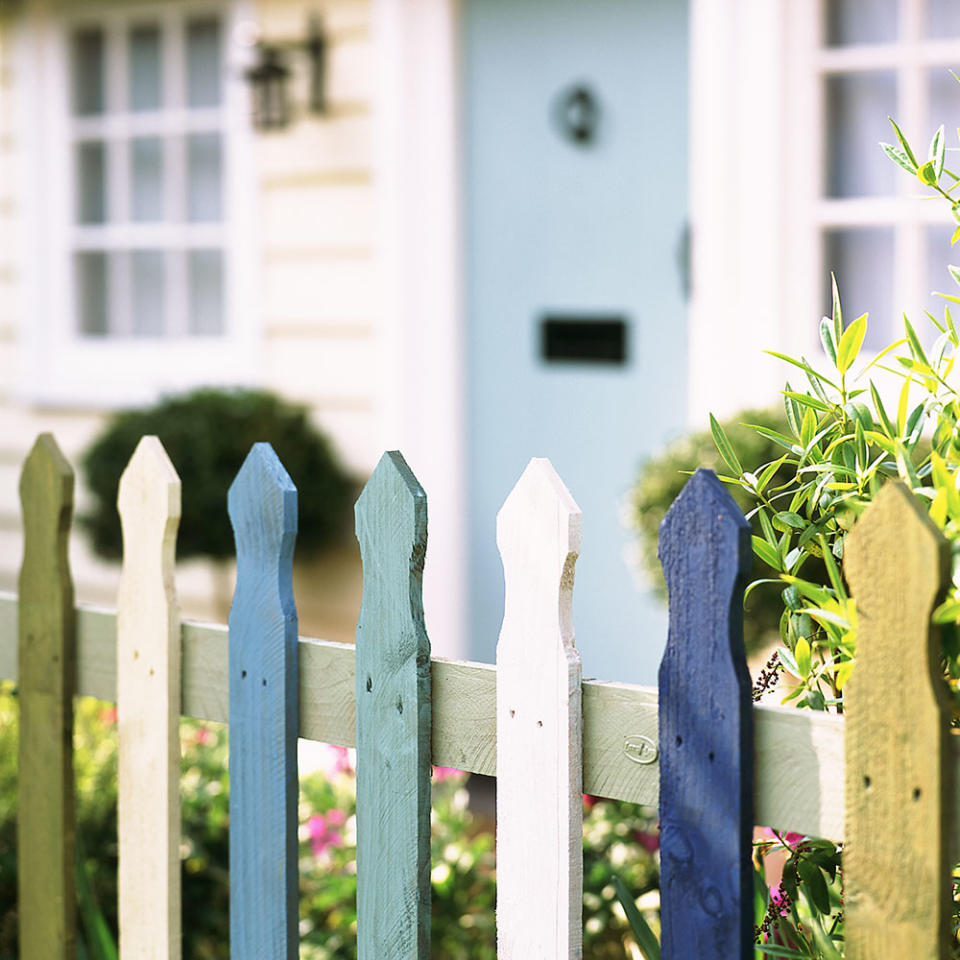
point(706, 730)
point(393, 719)
point(262, 505)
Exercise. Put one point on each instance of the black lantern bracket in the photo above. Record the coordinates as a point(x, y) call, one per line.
point(270, 75)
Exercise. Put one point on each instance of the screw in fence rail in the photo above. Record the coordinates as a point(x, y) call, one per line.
point(46, 677)
point(539, 725)
point(896, 870)
point(393, 719)
point(706, 730)
point(148, 708)
point(262, 504)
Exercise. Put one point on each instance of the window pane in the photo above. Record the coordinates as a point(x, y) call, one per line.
point(87, 56)
point(91, 182)
point(862, 260)
point(204, 177)
point(147, 275)
point(857, 109)
point(944, 106)
point(861, 21)
point(943, 18)
point(203, 63)
point(146, 182)
point(206, 292)
point(939, 253)
point(91, 284)
point(146, 81)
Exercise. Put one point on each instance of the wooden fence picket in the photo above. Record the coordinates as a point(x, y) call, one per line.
point(148, 709)
point(897, 732)
point(46, 681)
point(539, 725)
point(393, 719)
point(706, 730)
point(262, 504)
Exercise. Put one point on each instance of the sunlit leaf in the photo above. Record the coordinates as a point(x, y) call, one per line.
point(723, 446)
point(850, 343)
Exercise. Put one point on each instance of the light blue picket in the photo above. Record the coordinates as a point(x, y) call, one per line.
point(393, 719)
point(263, 713)
point(706, 730)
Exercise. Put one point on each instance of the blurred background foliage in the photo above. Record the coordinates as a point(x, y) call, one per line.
point(620, 840)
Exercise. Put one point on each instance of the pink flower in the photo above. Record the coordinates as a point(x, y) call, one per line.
point(649, 841)
point(203, 735)
point(589, 801)
point(335, 760)
point(108, 715)
point(325, 831)
point(444, 773)
point(779, 902)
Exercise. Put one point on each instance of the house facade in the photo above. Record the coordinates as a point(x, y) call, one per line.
point(517, 229)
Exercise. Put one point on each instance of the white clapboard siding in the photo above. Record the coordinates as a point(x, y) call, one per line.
point(148, 709)
point(335, 366)
point(317, 145)
point(539, 728)
point(304, 290)
point(323, 218)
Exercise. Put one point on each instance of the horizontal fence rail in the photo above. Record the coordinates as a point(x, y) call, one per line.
point(799, 755)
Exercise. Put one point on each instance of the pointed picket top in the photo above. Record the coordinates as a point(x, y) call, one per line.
point(262, 503)
point(705, 730)
point(538, 535)
point(897, 732)
point(148, 707)
point(539, 725)
point(393, 719)
point(46, 685)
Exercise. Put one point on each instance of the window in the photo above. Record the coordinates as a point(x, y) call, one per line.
point(880, 58)
point(143, 261)
point(146, 148)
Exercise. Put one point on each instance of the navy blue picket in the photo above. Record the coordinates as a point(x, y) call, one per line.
point(393, 719)
point(262, 505)
point(706, 730)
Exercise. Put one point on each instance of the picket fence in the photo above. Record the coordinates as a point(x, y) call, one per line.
point(879, 777)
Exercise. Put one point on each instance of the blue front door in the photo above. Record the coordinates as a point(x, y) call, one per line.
point(575, 182)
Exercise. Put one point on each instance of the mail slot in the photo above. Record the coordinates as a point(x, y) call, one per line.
point(599, 339)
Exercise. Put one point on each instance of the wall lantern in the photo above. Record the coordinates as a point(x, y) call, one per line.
point(270, 74)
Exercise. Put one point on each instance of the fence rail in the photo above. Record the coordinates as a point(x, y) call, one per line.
point(695, 746)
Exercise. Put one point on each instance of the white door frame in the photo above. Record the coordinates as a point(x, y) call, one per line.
point(422, 394)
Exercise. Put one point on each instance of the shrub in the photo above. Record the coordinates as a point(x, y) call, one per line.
point(660, 480)
point(207, 435)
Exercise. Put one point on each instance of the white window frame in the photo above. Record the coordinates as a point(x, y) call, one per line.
point(62, 366)
point(757, 187)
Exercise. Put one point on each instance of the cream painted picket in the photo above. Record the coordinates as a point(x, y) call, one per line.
point(558, 735)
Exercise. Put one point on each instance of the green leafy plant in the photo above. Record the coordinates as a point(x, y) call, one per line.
point(207, 434)
point(619, 842)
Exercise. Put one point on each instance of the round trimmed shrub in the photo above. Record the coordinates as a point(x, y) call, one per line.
point(208, 434)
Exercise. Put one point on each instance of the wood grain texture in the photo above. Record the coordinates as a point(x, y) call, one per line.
point(47, 674)
point(262, 504)
point(393, 719)
point(898, 789)
point(148, 709)
point(799, 755)
point(539, 724)
point(706, 730)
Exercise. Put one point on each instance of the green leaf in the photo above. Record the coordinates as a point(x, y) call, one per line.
point(826, 338)
point(816, 885)
point(768, 554)
point(902, 407)
point(792, 411)
point(836, 581)
point(803, 365)
point(723, 446)
point(881, 355)
point(775, 437)
point(836, 312)
point(646, 939)
point(880, 411)
point(802, 653)
point(903, 141)
point(791, 519)
point(937, 146)
point(899, 157)
point(808, 428)
point(804, 399)
point(927, 174)
point(915, 347)
point(850, 343)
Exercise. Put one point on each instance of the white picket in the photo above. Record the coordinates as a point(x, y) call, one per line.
point(148, 709)
point(539, 729)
